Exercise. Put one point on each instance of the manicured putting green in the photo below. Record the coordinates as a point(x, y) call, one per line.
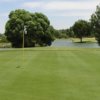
point(50, 74)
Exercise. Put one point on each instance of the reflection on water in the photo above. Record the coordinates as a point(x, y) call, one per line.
point(69, 43)
point(6, 49)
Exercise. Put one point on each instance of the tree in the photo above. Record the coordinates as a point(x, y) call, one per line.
point(3, 38)
point(95, 22)
point(36, 25)
point(63, 33)
point(81, 29)
point(57, 34)
point(69, 32)
point(41, 28)
point(49, 36)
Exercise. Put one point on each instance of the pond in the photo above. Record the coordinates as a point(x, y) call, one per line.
point(69, 43)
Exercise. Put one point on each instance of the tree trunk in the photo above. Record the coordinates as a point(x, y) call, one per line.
point(81, 40)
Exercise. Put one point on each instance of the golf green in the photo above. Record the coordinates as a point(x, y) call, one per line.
point(50, 74)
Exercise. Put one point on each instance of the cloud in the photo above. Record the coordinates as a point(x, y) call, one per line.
point(64, 8)
point(62, 5)
point(70, 5)
point(32, 4)
point(65, 12)
point(74, 13)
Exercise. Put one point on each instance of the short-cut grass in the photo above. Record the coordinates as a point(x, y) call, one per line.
point(50, 74)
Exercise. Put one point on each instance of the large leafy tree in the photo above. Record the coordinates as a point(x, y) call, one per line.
point(36, 25)
point(15, 26)
point(81, 29)
point(95, 22)
point(40, 25)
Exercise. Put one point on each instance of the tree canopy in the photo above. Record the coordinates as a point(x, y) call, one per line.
point(81, 29)
point(39, 31)
point(95, 22)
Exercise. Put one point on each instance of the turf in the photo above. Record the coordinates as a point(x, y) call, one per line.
point(88, 40)
point(50, 74)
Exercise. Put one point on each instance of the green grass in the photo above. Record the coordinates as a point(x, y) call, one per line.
point(50, 74)
point(84, 39)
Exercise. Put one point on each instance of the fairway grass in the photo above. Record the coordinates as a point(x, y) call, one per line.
point(50, 74)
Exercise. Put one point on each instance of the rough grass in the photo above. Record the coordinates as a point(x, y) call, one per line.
point(50, 74)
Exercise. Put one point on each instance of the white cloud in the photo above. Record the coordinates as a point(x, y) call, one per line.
point(32, 4)
point(62, 5)
point(70, 5)
point(69, 11)
point(73, 14)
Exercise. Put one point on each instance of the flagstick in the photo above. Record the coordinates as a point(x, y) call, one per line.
point(23, 48)
point(23, 44)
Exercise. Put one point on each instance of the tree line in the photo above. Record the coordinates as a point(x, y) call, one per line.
point(80, 29)
point(38, 31)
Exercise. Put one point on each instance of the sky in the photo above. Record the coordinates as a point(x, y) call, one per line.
point(61, 13)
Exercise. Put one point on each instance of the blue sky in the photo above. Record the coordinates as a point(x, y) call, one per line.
point(61, 13)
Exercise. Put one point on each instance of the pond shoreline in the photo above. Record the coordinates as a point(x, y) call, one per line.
point(67, 43)
point(70, 43)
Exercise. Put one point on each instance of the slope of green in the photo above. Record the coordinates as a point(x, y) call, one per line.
point(50, 74)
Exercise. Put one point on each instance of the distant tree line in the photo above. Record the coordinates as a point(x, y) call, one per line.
point(83, 28)
point(80, 29)
point(39, 31)
point(63, 33)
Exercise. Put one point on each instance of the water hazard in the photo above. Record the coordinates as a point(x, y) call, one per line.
point(69, 43)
